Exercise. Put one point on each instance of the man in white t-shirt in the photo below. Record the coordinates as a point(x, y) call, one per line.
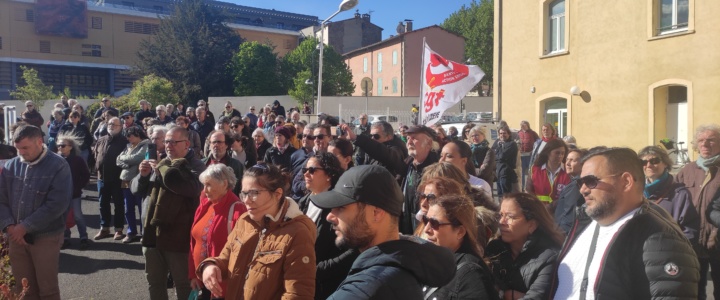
point(623, 247)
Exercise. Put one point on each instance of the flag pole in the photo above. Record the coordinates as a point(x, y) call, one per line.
point(421, 110)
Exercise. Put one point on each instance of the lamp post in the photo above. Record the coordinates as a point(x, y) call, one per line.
point(344, 5)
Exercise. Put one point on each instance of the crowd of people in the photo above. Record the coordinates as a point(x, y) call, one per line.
point(263, 205)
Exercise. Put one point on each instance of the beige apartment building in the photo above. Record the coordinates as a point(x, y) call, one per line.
point(623, 74)
point(88, 46)
point(393, 65)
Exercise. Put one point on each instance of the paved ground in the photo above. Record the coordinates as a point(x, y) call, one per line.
point(109, 269)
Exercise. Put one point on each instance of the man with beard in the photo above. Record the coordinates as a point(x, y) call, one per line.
point(420, 154)
point(366, 204)
point(107, 150)
point(622, 246)
point(219, 144)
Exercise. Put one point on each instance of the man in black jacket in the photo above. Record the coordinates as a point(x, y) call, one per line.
point(107, 150)
point(506, 151)
point(381, 148)
point(622, 246)
point(366, 204)
point(420, 155)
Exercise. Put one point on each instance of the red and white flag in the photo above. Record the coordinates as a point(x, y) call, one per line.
point(445, 83)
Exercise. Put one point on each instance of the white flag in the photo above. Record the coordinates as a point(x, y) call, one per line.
point(445, 83)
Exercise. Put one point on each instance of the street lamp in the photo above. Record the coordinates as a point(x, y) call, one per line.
point(345, 5)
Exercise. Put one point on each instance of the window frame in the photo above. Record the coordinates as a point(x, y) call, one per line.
point(365, 64)
point(546, 21)
point(379, 62)
point(379, 86)
point(394, 57)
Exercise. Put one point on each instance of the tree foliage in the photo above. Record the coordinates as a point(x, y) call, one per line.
point(34, 89)
point(475, 23)
point(301, 91)
point(255, 71)
point(154, 89)
point(192, 48)
point(337, 77)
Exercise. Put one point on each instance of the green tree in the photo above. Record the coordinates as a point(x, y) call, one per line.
point(193, 48)
point(301, 91)
point(475, 23)
point(154, 89)
point(337, 78)
point(255, 70)
point(34, 89)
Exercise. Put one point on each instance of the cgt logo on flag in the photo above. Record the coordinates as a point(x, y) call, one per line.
point(445, 82)
point(441, 71)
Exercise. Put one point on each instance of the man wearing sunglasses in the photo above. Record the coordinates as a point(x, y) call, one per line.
point(381, 148)
point(32, 116)
point(622, 246)
point(366, 205)
point(314, 136)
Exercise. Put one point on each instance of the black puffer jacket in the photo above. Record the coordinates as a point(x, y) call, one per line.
point(397, 270)
point(531, 272)
point(640, 259)
point(473, 280)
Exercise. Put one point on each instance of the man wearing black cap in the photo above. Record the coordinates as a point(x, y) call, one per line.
point(420, 149)
point(366, 204)
point(128, 121)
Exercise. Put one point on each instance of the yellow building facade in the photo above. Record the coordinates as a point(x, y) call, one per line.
point(97, 62)
point(627, 73)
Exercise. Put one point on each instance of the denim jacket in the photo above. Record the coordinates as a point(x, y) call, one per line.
point(36, 194)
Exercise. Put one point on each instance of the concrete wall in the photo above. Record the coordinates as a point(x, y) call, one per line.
point(618, 63)
point(45, 110)
point(331, 105)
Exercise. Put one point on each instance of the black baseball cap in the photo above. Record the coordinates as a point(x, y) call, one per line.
point(369, 184)
point(422, 129)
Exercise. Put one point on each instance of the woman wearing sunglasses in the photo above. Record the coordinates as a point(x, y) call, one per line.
point(321, 172)
point(69, 148)
point(524, 255)
point(547, 176)
point(239, 127)
point(270, 253)
point(451, 223)
point(661, 188)
point(450, 171)
point(428, 190)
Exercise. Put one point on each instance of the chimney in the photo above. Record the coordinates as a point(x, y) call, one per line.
point(357, 14)
point(366, 17)
point(408, 25)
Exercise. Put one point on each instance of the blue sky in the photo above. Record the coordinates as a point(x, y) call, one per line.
point(386, 13)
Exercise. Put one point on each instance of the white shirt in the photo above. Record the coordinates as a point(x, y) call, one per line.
point(480, 183)
point(572, 267)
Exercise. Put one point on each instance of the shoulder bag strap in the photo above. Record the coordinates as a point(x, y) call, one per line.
point(591, 253)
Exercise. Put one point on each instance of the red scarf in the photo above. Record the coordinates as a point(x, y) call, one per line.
point(548, 139)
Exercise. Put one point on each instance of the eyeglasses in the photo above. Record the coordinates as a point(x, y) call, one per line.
point(375, 136)
point(61, 146)
point(174, 143)
point(310, 169)
point(217, 142)
point(429, 197)
point(253, 194)
point(591, 181)
point(652, 161)
point(434, 223)
point(508, 218)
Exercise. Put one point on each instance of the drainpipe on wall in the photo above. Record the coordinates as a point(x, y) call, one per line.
point(498, 87)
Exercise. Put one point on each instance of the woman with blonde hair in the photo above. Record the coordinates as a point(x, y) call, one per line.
point(482, 158)
point(448, 170)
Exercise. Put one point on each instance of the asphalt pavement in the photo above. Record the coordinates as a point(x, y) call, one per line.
point(108, 269)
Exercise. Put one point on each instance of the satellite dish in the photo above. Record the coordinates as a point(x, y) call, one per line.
point(366, 85)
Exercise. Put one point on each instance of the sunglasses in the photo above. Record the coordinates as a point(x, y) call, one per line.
point(434, 223)
point(309, 137)
point(236, 126)
point(426, 196)
point(311, 170)
point(591, 181)
point(375, 136)
point(62, 146)
point(652, 161)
